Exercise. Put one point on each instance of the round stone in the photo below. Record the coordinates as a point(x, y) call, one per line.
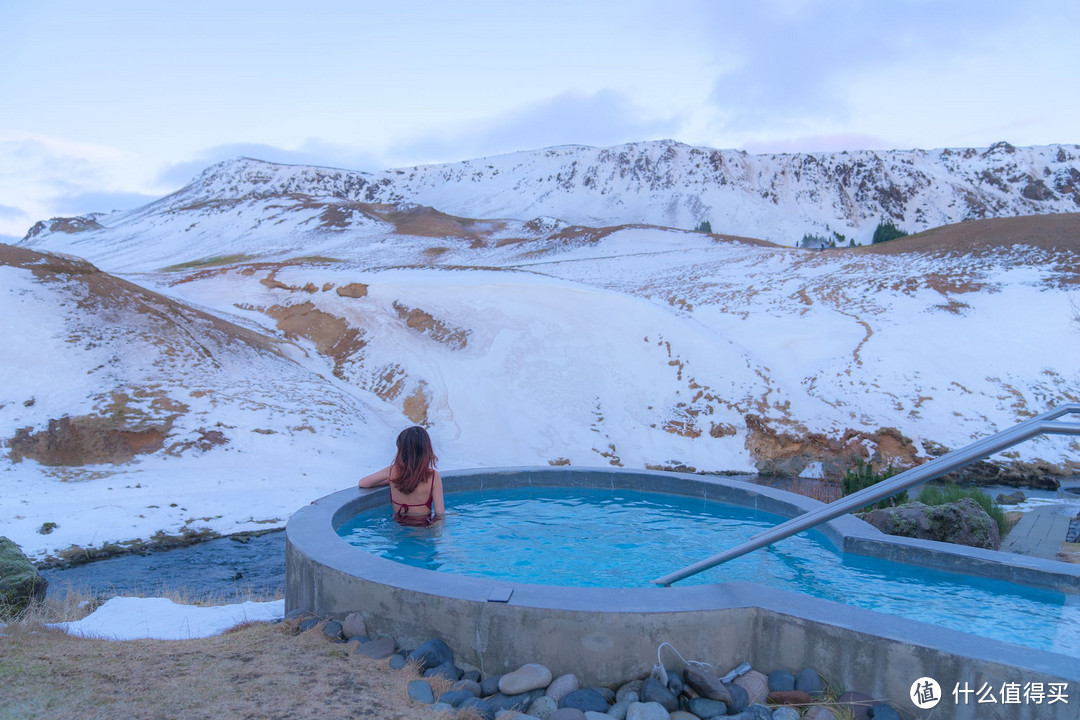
point(785, 713)
point(808, 681)
point(683, 715)
point(432, 653)
point(781, 681)
point(618, 710)
point(586, 699)
point(630, 691)
point(489, 685)
point(543, 706)
point(755, 684)
point(706, 708)
point(739, 699)
point(562, 686)
point(478, 706)
point(647, 711)
point(819, 712)
point(455, 697)
point(528, 677)
point(654, 691)
point(353, 626)
point(519, 701)
point(593, 715)
point(757, 712)
point(468, 685)
point(377, 649)
point(398, 661)
point(567, 713)
point(420, 691)
point(445, 670)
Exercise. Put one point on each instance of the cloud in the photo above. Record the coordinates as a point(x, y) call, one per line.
point(8, 212)
point(312, 152)
point(789, 64)
point(99, 201)
point(603, 118)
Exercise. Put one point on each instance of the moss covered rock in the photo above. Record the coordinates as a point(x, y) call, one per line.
point(20, 582)
point(962, 522)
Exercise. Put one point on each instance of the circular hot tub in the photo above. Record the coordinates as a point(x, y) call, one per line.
point(610, 634)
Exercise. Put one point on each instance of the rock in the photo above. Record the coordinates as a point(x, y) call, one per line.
point(455, 697)
point(20, 582)
point(294, 614)
point(446, 670)
point(789, 697)
point(489, 685)
point(755, 684)
point(473, 675)
point(308, 623)
point(1014, 498)
point(739, 699)
point(882, 711)
point(962, 522)
point(858, 704)
point(525, 678)
point(785, 713)
point(781, 681)
point(468, 685)
point(586, 699)
point(519, 701)
point(543, 706)
point(517, 715)
point(398, 661)
point(562, 686)
point(619, 709)
point(654, 691)
point(708, 686)
point(683, 715)
point(432, 653)
point(706, 708)
point(607, 692)
point(819, 712)
point(567, 714)
point(630, 691)
point(420, 691)
point(478, 706)
point(754, 712)
point(331, 630)
point(593, 715)
point(808, 681)
point(376, 649)
point(675, 684)
point(441, 707)
point(353, 626)
point(647, 711)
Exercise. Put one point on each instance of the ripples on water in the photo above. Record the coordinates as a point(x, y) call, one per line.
point(619, 538)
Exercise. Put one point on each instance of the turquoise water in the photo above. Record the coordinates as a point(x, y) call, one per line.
point(624, 538)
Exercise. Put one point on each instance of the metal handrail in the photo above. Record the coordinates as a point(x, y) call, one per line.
point(1038, 425)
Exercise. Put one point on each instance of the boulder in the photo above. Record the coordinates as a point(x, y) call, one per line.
point(708, 686)
point(562, 686)
point(962, 522)
point(20, 582)
point(781, 681)
point(586, 699)
point(432, 653)
point(1014, 498)
point(353, 626)
point(525, 678)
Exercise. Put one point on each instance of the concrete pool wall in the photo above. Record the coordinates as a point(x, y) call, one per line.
point(609, 635)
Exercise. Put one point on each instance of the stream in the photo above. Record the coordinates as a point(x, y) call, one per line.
point(222, 568)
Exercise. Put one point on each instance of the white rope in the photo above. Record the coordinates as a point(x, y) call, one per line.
point(697, 663)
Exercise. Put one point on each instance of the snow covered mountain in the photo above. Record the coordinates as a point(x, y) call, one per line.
point(774, 197)
point(277, 325)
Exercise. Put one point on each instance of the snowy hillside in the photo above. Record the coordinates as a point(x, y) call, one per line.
point(774, 197)
point(276, 326)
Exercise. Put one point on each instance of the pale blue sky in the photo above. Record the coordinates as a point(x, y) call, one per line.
point(106, 104)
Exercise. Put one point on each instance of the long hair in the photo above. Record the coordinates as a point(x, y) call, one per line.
point(415, 459)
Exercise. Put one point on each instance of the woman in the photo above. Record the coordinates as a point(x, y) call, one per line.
point(416, 491)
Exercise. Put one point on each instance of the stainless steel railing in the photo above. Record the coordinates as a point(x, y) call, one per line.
point(1038, 425)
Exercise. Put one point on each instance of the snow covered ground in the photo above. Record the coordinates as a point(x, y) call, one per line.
point(274, 347)
point(131, 618)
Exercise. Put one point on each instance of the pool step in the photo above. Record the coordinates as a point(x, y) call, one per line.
point(1039, 533)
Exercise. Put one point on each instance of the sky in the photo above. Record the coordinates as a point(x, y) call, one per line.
point(108, 105)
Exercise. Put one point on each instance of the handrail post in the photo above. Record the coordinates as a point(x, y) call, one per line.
point(1044, 423)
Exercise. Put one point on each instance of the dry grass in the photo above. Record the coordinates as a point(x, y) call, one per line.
point(257, 670)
